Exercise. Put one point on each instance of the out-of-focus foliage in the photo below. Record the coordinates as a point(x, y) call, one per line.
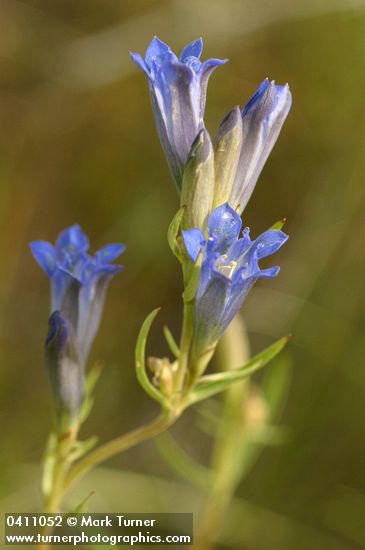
point(78, 143)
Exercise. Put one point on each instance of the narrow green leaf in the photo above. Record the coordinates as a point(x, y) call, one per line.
point(215, 383)
point(181, 462)
point(279, 224)
point(174, 348)
point(173, 231)
point(140, 358)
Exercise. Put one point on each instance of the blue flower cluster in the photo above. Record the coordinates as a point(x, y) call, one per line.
point(178, 88)
point(216, 184)
point(230, 267)
point(78, 286)
point(78, 281)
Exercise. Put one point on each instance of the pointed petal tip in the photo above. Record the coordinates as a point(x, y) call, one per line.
point(230, 120)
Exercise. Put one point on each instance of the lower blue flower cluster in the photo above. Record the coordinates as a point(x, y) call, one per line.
point(78, 286)
point(230, 267)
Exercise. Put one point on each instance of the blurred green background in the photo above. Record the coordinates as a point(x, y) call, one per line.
point(78, 143)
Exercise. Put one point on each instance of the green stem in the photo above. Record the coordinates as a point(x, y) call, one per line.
point(185, 346)
point(65, 443)
point(52, 500)
point(233, 351)
point(118, 445)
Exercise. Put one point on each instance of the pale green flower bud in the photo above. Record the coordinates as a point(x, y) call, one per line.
point(198, 182)
point(228, 144)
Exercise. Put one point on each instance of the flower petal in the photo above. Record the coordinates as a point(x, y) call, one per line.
point(45, 254)
point(224, 226)
point(109, 253)
point(72, 240)
point(139, 61)
point(194, 241)
point(91, 303)
point(158, 52)
point(206, 70)
point(269, 242)
point(194, 49)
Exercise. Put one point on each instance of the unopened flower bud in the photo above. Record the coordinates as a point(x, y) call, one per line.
point(228, 143)
point(262, 119)
point(198, 182)
point(64, 369)
point(163, 377)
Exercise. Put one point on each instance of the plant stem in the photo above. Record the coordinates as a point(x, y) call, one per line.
point(65, 443)
point(118, 445)
point(233, 351)
point(185, 346)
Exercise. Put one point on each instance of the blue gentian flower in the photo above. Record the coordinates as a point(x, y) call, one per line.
point(78, 281)
point(78, 286)
point(178, 89)
point(230, 267)
point(245, 140)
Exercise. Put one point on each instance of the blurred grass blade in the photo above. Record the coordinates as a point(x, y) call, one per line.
point(140, 358)
point(276, 384)
point(216, 383)
point(181, 462)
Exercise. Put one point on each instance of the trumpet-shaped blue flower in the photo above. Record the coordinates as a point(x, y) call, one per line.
point(78, 285)
point(78, 281)
point(245, 140)
point(230, 267)
point(178, 92)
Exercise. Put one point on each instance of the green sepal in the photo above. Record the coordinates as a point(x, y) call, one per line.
point(173, 347)
point(141, 373)
point(278, 225)
point(93, 377)
point(215, 383)
point(173, 232)
point(193, 281)
point(90, 383)
point(86, 408)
